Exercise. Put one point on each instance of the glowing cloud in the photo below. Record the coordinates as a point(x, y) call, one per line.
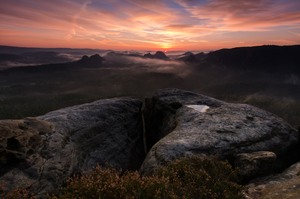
point(149, 25)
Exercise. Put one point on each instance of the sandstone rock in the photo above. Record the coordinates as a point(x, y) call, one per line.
point(22, 151)
point(41, 153)
point(92, 61)
point(224, 130)
point(157, 55)
point(283, 185)
point(251, 165)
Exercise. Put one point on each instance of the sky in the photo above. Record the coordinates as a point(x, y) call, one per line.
point(149, 24)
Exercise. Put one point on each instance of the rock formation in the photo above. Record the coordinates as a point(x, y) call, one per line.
point(280, 186)
point(157, 55)
point(192, 58)
point(221, 129)
point(41, 153)
point(92, 61)
point(188, 57)
point(255, 164)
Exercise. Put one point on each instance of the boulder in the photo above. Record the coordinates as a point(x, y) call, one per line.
point(41, 153)
point(20, 140)
point(255, 164)
point(192, 124)
point(283, 185)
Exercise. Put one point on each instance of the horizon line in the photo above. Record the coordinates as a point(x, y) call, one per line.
point(150, 50)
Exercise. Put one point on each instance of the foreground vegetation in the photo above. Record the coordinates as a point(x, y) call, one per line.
point(191, 177)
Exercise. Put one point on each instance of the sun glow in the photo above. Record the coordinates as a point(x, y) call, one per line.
point(166, 46)
point(134, 24)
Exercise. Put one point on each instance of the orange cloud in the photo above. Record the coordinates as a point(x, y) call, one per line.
point(139, 24)
point(246, 15)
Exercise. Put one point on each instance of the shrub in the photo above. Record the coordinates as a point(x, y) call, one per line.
point(194, 177)
point(191, 177)
point(15, 194)
point(110, 183)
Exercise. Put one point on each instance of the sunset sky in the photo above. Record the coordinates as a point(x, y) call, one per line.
point(149, 24)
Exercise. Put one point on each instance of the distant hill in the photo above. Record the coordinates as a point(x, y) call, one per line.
point(269, 58)
point(85, 62)
point(11, 56)
point(39, 57)
point(190, 57)
point(263, 58)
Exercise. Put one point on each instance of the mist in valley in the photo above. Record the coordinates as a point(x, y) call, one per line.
point(34, 92)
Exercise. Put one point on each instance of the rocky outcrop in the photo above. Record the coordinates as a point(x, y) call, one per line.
point(192, 58)
point(157, 55)
point(41, 153)
point(23, 152)
point(283, 185)
point(92, 61)
point(188, 57)
point(198, 124)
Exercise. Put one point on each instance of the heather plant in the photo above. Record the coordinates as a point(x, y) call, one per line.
point(15, 194)
point(190, 177)
point(186, 178)
point(194, 177)
point(110, 183)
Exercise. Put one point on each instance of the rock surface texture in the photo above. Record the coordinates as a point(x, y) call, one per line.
point(41, 153)
point(223, 129)
point(283, 185)
point(255, 164)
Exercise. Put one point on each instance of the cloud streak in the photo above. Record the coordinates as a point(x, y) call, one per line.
point(158, 24)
